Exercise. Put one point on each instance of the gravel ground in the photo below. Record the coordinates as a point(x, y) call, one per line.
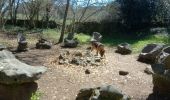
point(62, 82)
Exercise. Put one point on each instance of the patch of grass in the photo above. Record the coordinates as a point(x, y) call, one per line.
point(10, 28)
point(83, 38)
point(51, 34)
point(36, 96)
point(137, 43)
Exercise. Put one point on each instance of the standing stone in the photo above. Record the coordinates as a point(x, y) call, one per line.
point(97, 37)
point(70, 41)
point(70, 36)
point(22, 43)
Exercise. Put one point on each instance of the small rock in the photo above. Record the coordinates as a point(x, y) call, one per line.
point(45, 45)
point(78, 53)
point(61, 62)
point(124, 48)
point(123, 73)
point(87, 71)
point(84, 94)
point(61, 56)
point(97, 59)
point(148, 70)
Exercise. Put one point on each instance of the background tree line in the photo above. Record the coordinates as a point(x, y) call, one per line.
point(86, 16)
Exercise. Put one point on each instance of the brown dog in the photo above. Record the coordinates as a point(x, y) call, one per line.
point(99, 47)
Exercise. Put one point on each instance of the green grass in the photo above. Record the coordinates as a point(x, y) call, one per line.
point(83, 39)
point(51, 34)
point(36, 96)
point(137, 43)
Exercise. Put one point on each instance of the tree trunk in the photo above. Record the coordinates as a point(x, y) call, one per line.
point(64, 22)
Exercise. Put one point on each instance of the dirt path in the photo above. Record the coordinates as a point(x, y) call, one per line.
point(63, 82)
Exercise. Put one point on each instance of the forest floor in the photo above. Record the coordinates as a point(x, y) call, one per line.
point(62, 82)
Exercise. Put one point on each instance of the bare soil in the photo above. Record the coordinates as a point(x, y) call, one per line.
point(62, 82)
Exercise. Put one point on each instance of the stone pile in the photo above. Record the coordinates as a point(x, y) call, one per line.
point(78, 58)
point(22, 43)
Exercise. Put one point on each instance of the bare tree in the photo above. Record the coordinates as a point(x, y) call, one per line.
point(13, 7)
point(64, 22)
point(4, 5)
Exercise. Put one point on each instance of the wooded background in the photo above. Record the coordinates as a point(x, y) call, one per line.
point(105, 16)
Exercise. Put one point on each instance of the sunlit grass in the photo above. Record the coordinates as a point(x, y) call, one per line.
point(137, 43)
point(54, 34)
point(83, 38)
point(36, 96)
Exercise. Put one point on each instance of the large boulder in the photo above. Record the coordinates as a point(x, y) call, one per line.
point(12, 71)
point(150, 53)
point(43, 44)
point(109, 92)
point(164, 57)
point(161, 79)
point(124, 48)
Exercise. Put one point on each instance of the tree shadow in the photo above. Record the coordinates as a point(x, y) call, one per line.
point(17, 91)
